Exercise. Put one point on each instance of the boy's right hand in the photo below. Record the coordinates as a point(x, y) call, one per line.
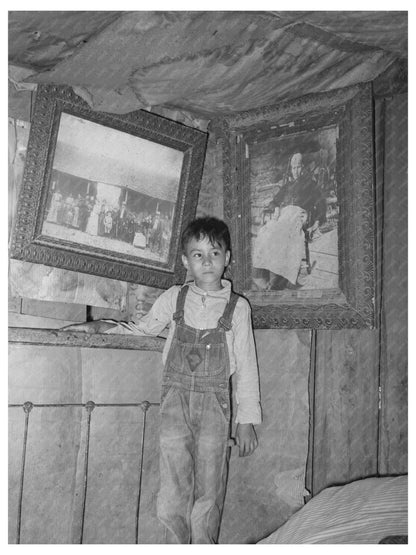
point(95, 326)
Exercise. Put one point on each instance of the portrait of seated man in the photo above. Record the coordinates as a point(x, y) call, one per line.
point(290, 221)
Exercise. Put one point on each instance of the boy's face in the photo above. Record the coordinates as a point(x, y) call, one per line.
point(206, 262)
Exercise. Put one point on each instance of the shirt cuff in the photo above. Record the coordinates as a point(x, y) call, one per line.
point(248, 412)
point(118, 328)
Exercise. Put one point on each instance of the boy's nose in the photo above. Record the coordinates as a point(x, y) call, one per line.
point(207, 260)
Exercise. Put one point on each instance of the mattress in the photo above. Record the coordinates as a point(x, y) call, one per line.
point(363, 511)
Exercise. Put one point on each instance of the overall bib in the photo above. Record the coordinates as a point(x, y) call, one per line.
point(195, 425)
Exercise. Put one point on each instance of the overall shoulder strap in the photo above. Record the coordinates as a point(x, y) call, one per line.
point(180, 303)
point(226, 319)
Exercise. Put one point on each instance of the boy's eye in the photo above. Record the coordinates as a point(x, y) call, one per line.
point(197, 255)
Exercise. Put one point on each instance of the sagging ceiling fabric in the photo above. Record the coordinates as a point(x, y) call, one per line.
point(206, 62)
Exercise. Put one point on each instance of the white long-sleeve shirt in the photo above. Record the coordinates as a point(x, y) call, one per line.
point(202, 311)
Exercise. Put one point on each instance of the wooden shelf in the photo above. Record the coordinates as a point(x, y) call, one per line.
point(60, 338)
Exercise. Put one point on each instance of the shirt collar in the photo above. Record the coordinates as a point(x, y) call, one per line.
point(222, 293)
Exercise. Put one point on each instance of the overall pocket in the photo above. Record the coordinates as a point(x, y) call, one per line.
point(215, 360)
point(198, 359)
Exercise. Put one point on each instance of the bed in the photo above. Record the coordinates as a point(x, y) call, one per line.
point(371, 510)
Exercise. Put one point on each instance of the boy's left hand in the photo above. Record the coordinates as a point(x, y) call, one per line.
point(246, 439)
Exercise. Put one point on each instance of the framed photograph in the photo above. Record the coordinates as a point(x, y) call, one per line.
point(299, 199)
point(107, 194)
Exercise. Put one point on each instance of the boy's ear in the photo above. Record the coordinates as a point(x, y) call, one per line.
point(227, 258)
point(185, 261)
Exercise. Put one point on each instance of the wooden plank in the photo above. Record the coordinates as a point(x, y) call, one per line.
point(50, 309)
point(54, 338)
point(394, 364)
point(270, 483)
point(311, 430)
point(345, 412)
point(28, 321)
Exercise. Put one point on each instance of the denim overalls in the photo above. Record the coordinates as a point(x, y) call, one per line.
point(195, 427)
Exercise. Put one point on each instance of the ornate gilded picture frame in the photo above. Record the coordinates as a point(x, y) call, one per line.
point(299, 198)
point(107, 194)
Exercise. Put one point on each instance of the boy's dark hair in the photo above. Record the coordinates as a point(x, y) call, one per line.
point(215, 230)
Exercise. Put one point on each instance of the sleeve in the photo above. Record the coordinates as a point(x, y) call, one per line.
point(247, 374)
point(155, 321)
point(279, 195)
point(319, 212)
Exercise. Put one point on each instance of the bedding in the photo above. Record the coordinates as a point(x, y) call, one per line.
point(364, 511)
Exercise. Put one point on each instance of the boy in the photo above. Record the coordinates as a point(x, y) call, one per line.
point(210, 338)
